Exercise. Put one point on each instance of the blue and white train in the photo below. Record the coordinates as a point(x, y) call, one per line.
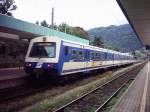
point(55, 56)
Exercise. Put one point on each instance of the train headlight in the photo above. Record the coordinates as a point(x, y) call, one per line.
point(50, 65)
point(28, 65)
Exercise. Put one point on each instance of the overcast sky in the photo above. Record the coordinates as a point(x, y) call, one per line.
point(84, 13)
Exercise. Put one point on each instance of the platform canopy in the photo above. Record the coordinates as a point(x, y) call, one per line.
point(14, 28)
point(138, 15)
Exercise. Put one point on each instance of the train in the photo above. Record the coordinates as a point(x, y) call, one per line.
point(52, 56)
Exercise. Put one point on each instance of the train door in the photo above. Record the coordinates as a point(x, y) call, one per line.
point(113, 58)
point(87, 58)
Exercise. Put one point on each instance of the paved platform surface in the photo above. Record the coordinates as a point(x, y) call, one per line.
point(137, 97)
point(10, 73)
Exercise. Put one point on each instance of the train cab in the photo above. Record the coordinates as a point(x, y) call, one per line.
point(42, 56)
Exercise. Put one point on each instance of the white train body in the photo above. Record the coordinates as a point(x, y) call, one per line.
point(55, 56)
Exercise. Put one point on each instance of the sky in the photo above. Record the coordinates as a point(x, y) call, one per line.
point(84, 13)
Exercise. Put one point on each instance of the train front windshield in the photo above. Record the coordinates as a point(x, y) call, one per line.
point(43, 50)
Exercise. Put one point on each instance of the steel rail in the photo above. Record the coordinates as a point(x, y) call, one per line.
point(112, 96)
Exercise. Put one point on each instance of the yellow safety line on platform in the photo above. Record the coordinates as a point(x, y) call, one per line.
point(143, 102)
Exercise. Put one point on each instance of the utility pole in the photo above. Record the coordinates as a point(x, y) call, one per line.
point(65, 28)
point(52, 18)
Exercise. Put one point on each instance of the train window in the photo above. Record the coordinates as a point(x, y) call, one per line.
point(87, 56)
point(108, 56)
point(105, 56)
point(102, 56)
point(43, 50)
point(80, 55)
point(66, 50)
point(97, 56)
point(91, 55)
point(111, 56)
point(74, 54)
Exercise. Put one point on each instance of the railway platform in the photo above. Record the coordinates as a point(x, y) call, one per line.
point(9, 73)
point(137, 97)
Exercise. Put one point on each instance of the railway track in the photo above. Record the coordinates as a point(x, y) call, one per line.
point(104, 105)
point(22, 92)
point(26, 87)
point(95, 100)
point(22, 86)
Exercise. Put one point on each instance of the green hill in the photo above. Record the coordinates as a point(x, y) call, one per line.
point(121, 37)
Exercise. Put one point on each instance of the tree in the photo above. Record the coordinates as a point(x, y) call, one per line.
point(98, 41)
point(37, 23)
point(7, 6)
point(44, 23)
point(55, 27)
point(77, 31)
point(112, 48)
point(63, 27)
point(137, 53)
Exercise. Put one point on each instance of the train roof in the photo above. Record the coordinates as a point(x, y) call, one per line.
point(76, 44)
point(98, 48)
